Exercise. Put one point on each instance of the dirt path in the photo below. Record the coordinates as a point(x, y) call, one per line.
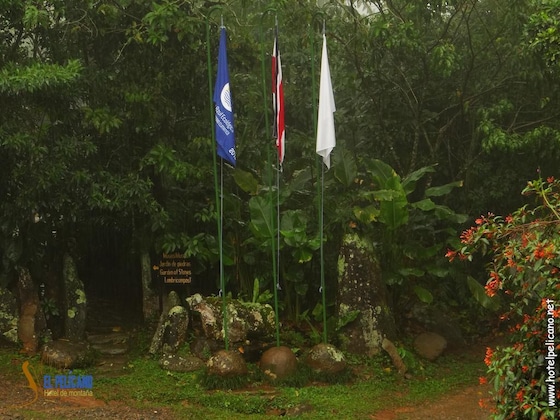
point(461, 405)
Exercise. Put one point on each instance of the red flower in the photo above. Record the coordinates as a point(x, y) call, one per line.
point(482, 380)
point(550, 179)
point(467, 235)
point(488, 358)
point(493, 284)
point(524, 369)
point(450, 254)
point(519, 396)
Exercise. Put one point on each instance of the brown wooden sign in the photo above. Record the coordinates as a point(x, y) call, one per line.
point(173, 269)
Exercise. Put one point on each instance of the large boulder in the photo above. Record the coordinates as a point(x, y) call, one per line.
point(8, 317)
point(245, 320)
point(65, 354)
point(362, 299)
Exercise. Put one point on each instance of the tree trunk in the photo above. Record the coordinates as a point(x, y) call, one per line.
point(31, 322)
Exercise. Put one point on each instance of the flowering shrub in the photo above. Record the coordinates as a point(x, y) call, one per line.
point(524, 249)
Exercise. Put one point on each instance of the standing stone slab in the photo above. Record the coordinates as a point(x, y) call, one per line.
point(361, 290)
point(176, 332)
point(171, 332)
point(74, 301)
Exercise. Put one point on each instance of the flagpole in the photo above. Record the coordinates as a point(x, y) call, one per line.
point(218, 190)
point(270, 168)
point(222, 277)
point(320, 169)
point(321, 222)
point(278, 171)
point(326, 141)
point(314, 106)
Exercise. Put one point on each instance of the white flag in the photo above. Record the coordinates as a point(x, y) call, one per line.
point(326, 140)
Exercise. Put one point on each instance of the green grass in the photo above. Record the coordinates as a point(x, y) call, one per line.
point(372, 387)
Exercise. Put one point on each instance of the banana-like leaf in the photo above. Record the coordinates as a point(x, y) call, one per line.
point(409, 182)
point(443, 189)
point(262, 217)
point(393, 212)
point(345, 170)
point(366, 214)
point(382, 173)
point(246, 181)
point(424, 205)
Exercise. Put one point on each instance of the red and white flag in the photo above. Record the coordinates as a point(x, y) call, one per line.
point(278, 129)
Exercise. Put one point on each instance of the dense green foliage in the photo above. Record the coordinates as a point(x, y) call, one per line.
point(105, 129)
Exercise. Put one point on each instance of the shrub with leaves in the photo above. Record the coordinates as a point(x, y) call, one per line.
point(524, 253)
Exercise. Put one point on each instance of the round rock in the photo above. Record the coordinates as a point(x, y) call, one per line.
point(325, 358)
point(430, 345)
point(227, 363)
point(278, 362)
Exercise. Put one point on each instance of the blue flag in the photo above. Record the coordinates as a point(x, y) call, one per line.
point(225, 137)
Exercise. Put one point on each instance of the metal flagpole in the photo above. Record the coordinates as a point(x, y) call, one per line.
point(323, 291)
point(270, 168)
point(321, 222)
point(276, 286)
point(222, 277)
point(320, 185)
point(218, 193)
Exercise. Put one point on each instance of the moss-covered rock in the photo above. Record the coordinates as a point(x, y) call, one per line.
point(361, 290)
point(245, 320)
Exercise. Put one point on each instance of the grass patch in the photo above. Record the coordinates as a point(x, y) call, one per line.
point(366, 387)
